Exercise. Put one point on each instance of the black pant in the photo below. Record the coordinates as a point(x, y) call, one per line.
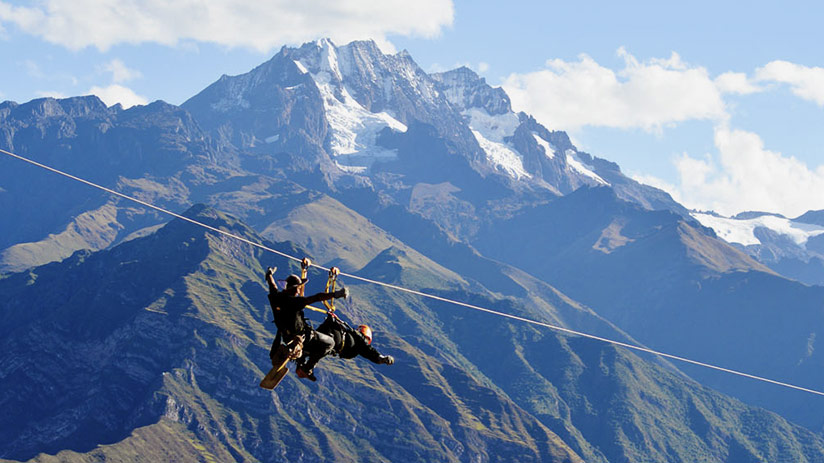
point(275, 346)
point(318, 346)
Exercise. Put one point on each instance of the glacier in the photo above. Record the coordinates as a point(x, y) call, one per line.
point(491, 132)
point(742, 231)
point(577, 165)
point(550, 152)
point(353, 128)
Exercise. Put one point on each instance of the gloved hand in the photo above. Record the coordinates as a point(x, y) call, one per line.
point(344, 293)
point(387, 359)
point(270, 271)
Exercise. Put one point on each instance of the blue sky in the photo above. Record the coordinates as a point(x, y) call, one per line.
point(720, 103)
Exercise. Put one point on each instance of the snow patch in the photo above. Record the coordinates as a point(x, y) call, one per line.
point(329, 58)
point(743, 231)
point(494, 128)
point(491, 132)
point(301, 67)
point(502, 156)
point(550, 152)
point(351, 169)
point(578, 166)
point(272, 139)
point(353, 128)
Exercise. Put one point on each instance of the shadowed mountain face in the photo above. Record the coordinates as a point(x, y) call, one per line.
point(155, 152)
point(670, 284)
point(163, 339)
point(121, 329)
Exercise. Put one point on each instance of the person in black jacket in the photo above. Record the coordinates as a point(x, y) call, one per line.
point(349, 342)
point(288, 310)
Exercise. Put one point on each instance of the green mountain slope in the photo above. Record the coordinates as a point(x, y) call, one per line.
point(155, 347)
point(145, 340)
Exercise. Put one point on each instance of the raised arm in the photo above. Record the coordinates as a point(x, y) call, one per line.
point(270, 279)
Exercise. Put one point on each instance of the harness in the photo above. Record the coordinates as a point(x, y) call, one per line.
point(330, 288)
point(333, 319)
point(329, 304)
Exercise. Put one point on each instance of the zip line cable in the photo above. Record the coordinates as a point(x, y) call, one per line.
point(422, 294)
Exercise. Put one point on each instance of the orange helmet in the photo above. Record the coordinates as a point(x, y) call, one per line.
point(366, 332)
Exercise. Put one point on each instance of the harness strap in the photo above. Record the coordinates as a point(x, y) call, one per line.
point(330, 288)
point(304, 268)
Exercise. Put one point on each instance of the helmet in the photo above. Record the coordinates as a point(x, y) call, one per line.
point(366, 332)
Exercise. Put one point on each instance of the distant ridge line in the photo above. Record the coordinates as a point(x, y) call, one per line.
point(419, 293)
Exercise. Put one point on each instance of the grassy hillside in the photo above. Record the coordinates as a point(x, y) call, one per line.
point(153, 350)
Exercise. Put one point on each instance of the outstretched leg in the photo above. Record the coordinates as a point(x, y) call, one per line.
point(316, 348)
point(273, 352)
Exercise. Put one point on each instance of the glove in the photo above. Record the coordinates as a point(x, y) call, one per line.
point(270, 271)
point(344, 293)
point(387, 359)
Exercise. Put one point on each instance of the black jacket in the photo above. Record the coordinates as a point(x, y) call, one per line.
point(288, 311)
point(349, 343)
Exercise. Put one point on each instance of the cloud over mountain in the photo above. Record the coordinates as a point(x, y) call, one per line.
point(748, 176)
point(264, 25)
point(741, 174)
point(644, 94)
point(116, 93)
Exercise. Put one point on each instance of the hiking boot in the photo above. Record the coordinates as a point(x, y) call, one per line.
point(310, 375)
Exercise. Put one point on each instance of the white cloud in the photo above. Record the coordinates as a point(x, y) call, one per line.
point(747, 176)
point(741, 175)
point(261, 25)
point(805, 82)
point(119, 71)
point(736, 82)
point(50, 94)
point(115, 93)
point(647, 95)
point(483, 67)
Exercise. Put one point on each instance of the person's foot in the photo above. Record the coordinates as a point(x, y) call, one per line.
point(310, 375)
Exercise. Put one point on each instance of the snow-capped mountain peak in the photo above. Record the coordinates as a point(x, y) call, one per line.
point(353, 129)
point(465, 89)
point(743, 231)
point(791, 247)
point(354, 106)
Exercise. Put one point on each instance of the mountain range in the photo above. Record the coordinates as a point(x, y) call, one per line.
point(125, 334)
point(791, 247)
